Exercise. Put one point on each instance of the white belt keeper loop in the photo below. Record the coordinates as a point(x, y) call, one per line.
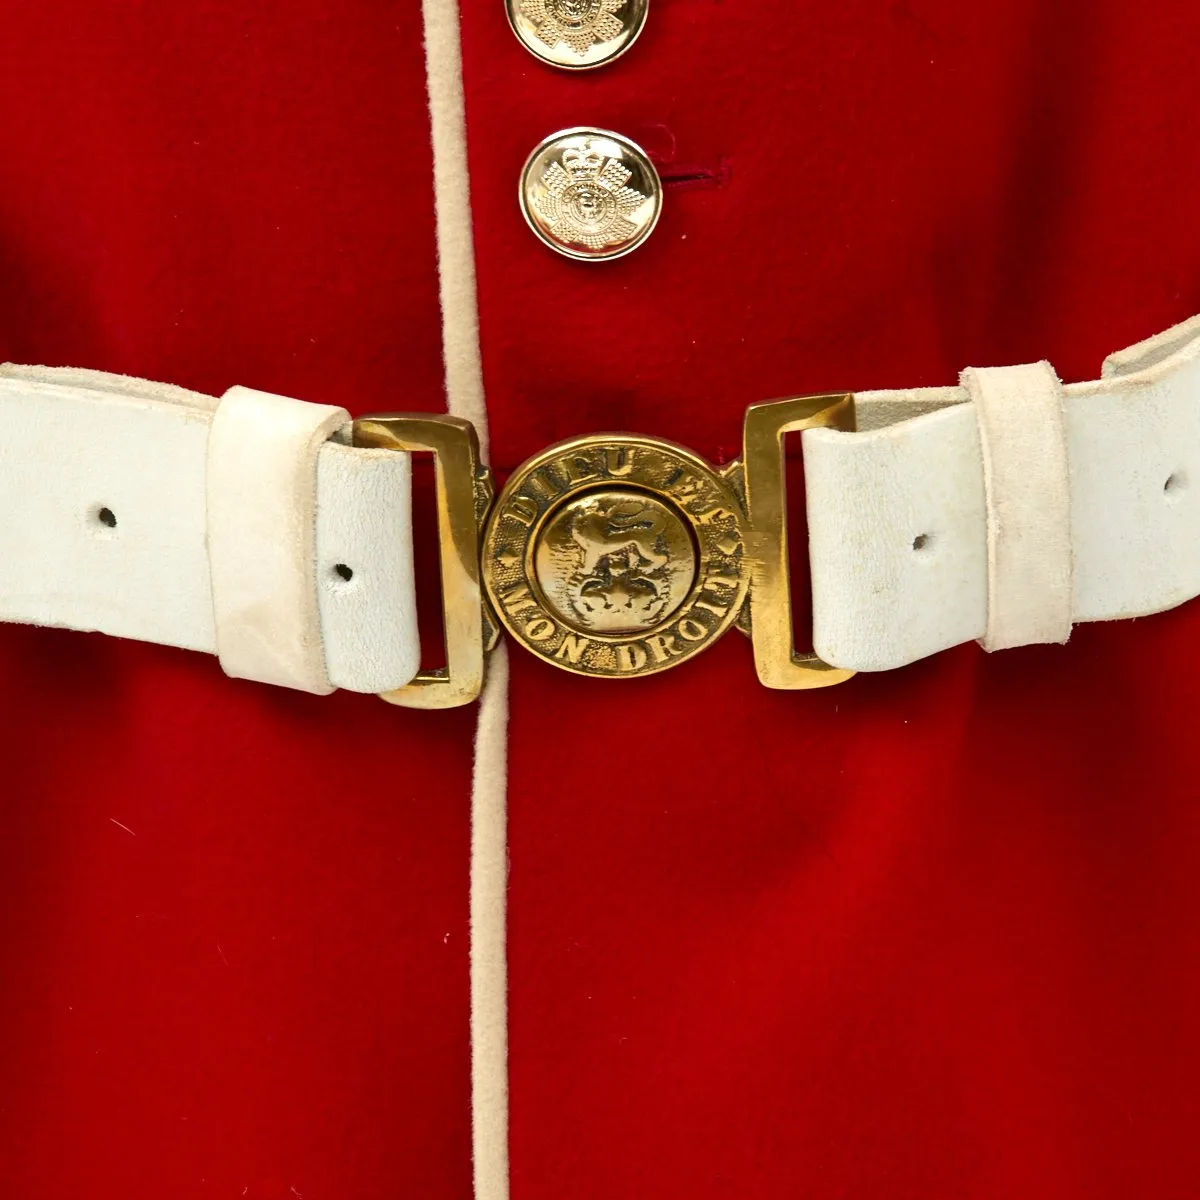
point(1027, 485)
point(262, 511)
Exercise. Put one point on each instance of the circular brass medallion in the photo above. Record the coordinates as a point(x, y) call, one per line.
point(577, 34)
point(616, 556)
point(590, 194)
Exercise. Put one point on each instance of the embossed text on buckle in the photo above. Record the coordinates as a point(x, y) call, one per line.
point(614, 555)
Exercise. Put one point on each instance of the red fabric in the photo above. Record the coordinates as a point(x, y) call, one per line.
point(932, 934)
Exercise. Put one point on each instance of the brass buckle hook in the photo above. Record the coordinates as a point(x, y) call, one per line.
point(775, 657)
point(464, 493)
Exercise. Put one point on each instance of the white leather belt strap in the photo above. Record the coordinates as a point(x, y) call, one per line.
point(1002, 510)
point(262, 536)
point(150, 512)
point(899, 518)
point(1023, 442)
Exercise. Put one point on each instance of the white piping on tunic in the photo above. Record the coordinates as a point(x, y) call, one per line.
point(465, 398)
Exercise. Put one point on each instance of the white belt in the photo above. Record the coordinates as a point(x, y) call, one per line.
point(1002, 510)
point(149, 512)
point(1121, 486)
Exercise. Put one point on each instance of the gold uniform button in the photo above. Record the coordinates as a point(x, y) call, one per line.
point(577, 34)
point(590, 194)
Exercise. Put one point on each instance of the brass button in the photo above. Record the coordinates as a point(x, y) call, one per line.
point(577, 34)
point(590, 194)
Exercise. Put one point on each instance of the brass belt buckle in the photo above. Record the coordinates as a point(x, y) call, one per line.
point(612, 555)
point(464, 494)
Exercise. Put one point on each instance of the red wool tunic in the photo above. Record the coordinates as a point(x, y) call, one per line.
point(930, 934)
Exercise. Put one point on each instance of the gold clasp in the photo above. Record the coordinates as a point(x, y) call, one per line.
point(613, 556)
point(464, 492)
point(775, 657)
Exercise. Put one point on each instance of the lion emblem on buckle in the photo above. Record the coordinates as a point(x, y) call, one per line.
point(616, 562)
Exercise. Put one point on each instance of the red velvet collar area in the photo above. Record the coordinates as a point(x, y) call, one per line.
point(929, 935)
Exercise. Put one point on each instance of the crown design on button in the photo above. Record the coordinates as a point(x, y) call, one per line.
point(586, 200)
point(586, 161)
point(590, 193)
point(580, 24)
